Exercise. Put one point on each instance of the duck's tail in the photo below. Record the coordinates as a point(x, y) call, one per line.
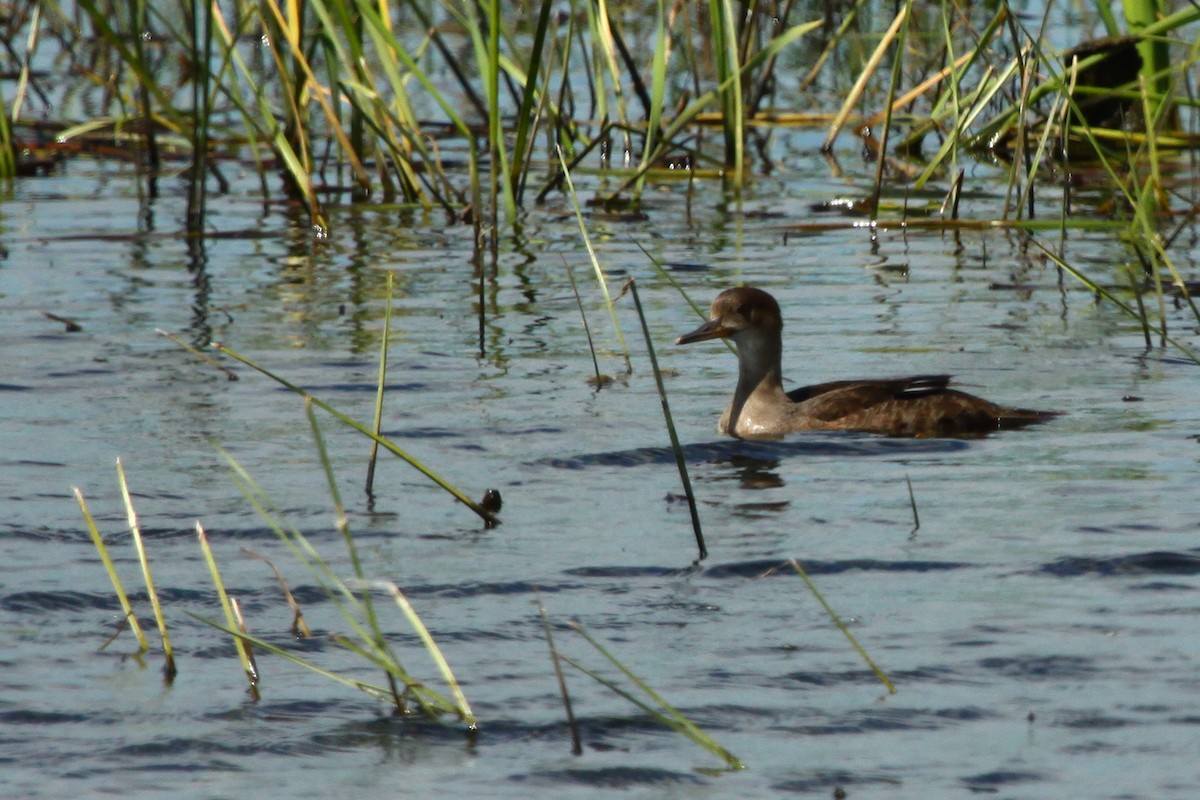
point(1010, 418)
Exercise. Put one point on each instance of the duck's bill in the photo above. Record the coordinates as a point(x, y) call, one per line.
point(713, 329)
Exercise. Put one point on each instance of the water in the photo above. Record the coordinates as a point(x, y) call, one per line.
point(1038, 624)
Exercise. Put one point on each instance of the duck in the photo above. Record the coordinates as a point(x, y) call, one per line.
point(919, 406)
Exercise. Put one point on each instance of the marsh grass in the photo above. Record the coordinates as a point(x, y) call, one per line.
point(352, 600)
point(346, 87)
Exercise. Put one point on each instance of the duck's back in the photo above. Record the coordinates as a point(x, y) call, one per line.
point(920, 405)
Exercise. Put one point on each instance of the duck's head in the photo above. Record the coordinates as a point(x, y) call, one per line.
point(736, 310)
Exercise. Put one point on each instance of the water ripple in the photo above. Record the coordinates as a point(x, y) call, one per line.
point(761, 567)
point(1155, 562)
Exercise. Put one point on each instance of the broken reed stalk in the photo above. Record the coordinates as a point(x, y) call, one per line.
point(387, 444)
point(676, 448)
point(300, 627)
point(130, 618)
point(169, 668)
point(205, 357)
point(232, 616)
point(383, 355)
point(665, 713)
point(572, 724)
point(812, 587)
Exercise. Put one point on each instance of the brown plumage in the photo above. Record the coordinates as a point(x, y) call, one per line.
point(920, 405)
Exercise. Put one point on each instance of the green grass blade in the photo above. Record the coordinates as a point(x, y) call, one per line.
point(231, 619)
point(169, 668)
point(833, 615)
point(665, 712)
point(431, 647)
point(377, 692)
point(364, 430)
point(130, 617)
point(596, 268)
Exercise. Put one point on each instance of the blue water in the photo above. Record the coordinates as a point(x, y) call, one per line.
point(1039, 624)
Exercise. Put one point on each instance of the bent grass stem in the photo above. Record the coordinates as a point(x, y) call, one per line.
point(386, 443)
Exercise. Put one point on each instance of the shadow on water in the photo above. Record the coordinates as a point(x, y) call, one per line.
point(1157, 562)
point(741, 451)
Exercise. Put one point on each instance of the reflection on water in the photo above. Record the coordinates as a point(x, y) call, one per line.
point(765, 454)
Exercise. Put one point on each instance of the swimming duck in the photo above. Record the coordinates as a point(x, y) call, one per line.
point(920, 405)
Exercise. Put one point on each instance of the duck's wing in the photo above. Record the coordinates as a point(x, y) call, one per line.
point(838, 399)
point(921, 405)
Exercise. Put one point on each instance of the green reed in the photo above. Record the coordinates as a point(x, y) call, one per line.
point(377, 422)
point(841, 626)
point(233, 617)
point(337, 87)
point(650, 701)
point(169, 667)
point(487, 516)
point(601, 279)
point(130, 618)
point(8, 154)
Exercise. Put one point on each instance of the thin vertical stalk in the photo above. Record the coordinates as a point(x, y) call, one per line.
point(658, 80)
point(342, 523)
point(525, 115)
point(576, 743)
point(676, 448)
point(169, 668)
point(599, 271)
point(729, 77)
point(200, 44)
point(383, 355)
point(893, 84)
point(8, 154)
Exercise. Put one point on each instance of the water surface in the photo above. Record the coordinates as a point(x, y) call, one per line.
point(1039, 625)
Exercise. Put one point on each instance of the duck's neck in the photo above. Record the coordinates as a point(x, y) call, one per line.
point(759, 370)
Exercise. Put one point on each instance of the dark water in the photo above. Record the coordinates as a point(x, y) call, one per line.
point(1040, 625)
